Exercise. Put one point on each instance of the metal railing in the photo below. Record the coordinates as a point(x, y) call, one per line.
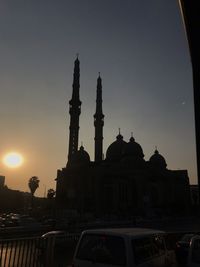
point(27, 252)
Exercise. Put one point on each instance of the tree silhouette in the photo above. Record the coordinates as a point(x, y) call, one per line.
point(33, 184)
point(51, 193)
point(50, 196)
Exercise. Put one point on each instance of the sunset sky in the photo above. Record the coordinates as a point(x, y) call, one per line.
point(140, 48)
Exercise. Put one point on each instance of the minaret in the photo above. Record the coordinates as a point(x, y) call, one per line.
point(98, 123)
point(74, 111)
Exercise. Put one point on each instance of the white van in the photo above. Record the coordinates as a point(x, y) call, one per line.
point(127, 247)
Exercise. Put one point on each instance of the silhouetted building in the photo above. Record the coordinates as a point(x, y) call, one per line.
point(122, 184)
point(18, 201)
point(10, 200)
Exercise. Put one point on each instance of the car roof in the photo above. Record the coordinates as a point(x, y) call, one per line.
point(124, 231)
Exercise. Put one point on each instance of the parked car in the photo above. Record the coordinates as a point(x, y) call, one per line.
point(59, 237)
point(126, 247)
point(53, 240)
point(182, 248)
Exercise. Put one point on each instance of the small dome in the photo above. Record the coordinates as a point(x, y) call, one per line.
point(157, 160)
point(115, 150)
point(81, 156)
point(133, 149)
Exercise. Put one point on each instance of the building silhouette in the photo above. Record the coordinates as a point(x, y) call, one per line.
point(123, 184)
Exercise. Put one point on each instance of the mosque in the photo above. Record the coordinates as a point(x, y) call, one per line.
point(123, 184)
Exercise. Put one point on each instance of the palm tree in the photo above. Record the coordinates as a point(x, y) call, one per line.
point(33, 184)
point(50, 196)
point(51, 193)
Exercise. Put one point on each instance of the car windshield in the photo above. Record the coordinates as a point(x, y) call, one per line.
point(147, 248)
point(102, 249)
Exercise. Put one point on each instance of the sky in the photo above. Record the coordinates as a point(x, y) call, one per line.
point(141, 51)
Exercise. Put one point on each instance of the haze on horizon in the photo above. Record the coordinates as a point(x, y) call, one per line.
point(140, 49)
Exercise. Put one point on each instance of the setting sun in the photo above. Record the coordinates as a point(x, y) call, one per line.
point(13, 160)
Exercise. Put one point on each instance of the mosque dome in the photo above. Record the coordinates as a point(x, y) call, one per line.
point(157, 160)
point(81, 156)
point(133, 150)
point(115, 150)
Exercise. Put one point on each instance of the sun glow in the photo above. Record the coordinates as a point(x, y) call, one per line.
point(13, 160)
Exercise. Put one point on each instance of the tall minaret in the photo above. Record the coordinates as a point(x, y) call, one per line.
point(74, 111)
point(98, 123)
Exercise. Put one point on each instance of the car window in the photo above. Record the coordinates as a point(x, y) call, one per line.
point(105, 249)
point(146, 248)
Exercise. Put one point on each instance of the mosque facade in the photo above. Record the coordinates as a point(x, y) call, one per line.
point(123, 184)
